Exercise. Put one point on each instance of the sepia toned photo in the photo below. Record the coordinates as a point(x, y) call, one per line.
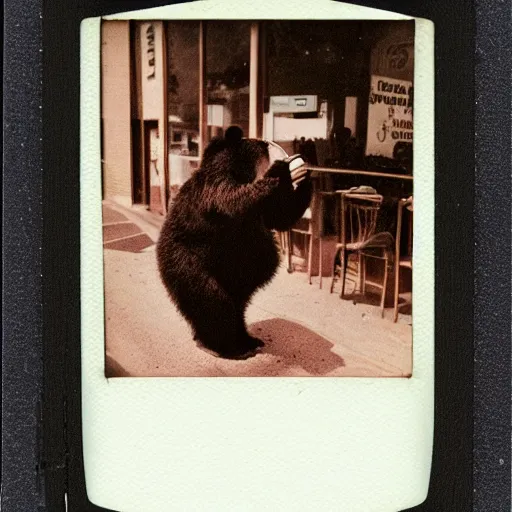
point(257, 198)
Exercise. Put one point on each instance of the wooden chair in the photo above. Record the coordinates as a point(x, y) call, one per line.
point(322, 196)
point(402, 261)
point(359, 215)
point(321, 235)
point(305, 228)
point(308, 226)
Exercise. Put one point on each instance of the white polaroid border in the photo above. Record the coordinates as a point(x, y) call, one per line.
point(252, 444)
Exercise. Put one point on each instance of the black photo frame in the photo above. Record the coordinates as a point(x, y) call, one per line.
point(41, 403)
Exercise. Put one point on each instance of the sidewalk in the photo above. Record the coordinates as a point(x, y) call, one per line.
point(307, 331)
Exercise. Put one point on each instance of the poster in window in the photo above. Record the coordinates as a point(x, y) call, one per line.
point(390, 117)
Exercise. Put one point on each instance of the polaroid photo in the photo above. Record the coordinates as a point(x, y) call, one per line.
point(257, 222)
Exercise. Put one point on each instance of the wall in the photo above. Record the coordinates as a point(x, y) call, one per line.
point(288, 128)
point(350, 115)
point(115, 97)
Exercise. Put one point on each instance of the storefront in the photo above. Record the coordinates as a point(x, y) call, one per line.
point(340, 93)
point(347, 88)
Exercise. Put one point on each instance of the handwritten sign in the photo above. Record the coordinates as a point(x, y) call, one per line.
point(150, 39)
point(390, 119)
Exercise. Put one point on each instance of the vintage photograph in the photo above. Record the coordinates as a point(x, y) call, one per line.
point(257, 198)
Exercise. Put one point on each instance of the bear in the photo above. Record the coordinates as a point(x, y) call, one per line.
point(216, 247)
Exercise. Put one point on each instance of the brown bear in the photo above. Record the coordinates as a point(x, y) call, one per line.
point(216, 247)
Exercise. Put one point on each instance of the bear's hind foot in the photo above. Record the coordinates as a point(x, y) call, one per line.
point(242, 353)
point(253, 342)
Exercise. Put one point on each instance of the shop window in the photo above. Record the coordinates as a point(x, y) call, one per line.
point(328, 62)
point(182, 101)
point(227, 76)
point(182, 86)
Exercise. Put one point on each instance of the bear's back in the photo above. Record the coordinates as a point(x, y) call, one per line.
point(231, 245)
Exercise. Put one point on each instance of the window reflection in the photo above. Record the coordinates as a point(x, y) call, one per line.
point(334, 63)
point(328, 61)
point(182, 101)
point(227, 76)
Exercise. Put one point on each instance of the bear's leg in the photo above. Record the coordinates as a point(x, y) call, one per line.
point(212, 314)
point(249, 341)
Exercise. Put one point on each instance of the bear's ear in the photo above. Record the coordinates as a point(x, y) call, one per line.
point(234, 134)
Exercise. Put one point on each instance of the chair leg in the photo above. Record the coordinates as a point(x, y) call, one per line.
point(344, 261)
point(310, 257)
point(360, 271)
point(384, 287)
point(364, 274)
point(289, 251)
point(320, 260)
point(397, 290)
point(333, 268)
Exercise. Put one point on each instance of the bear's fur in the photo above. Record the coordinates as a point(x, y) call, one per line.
point(216, 247)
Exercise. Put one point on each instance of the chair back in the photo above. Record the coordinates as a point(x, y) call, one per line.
point(359, 215)
point(407, 204)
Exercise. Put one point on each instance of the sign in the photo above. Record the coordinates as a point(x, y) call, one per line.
point(390, 119)
point(150, 40)
point(153, 86)
point(398, 56)
point(290, 104)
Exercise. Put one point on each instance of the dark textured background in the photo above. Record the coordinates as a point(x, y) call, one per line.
point(22, 490)
point(30, 480)
point(493, 65)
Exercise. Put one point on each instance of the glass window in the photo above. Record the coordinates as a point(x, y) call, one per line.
point(182, 101)
point(329, 63)
point(227, 75)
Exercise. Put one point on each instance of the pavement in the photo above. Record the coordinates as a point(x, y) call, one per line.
point(307, 331)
